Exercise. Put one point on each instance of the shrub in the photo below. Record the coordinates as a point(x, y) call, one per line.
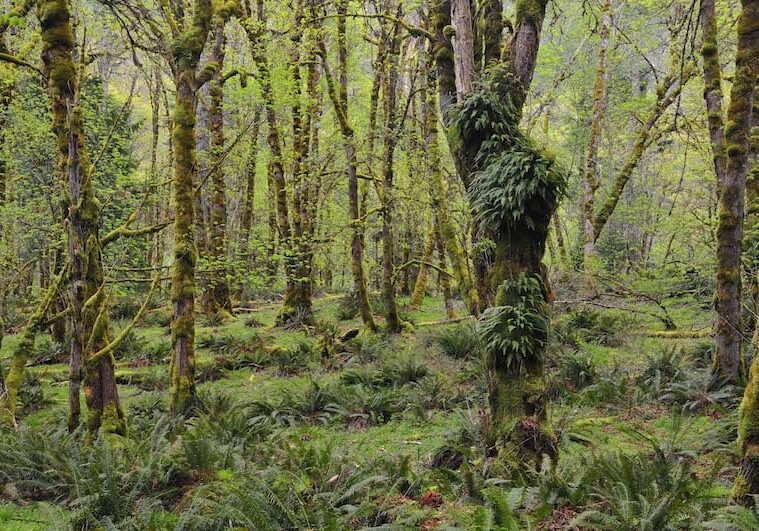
point(589, 326)
point(369, 347)
point(31, 394)
point(48, 352)
point(579, 370)
point(661, 369)
point(160, 317)
point(290, 361)
point(347, 306)
point(700, 355)
point(458, 342)
point(693, 393)
point(401, 371)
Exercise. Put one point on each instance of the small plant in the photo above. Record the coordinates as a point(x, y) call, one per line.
point(31, 394)
point(694, 394)
point(649, 491)
point(328, 341)
point(368, 405)
point(661, 369)
point(609, 390)
point(579, 370)
point(315, 405)
point(369, 347)
point(292, 360)
point(701, 355)
point(734, 518)
point(518, 328)
point(590, 326)
point(130, 347)
point(401, 371)
point(48, 352)
point(253, 322)
point(347, 307)
point(458, 342)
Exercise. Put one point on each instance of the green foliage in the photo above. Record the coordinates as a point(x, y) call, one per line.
point(734, 518)
point(514, 332)
point(458, 341)
point(579, 370)
point(46, 351)
point(31, 395)
point(589, 326)
point(516, 183)
point(693, 393)
point(661, 369)
point(293, 360)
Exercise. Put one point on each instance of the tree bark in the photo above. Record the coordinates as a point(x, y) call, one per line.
point(341, 105)
point(420, 286)
point(90, 327)
point(219, 300)
point(186, 51)
point(390, 90)
point(463, 46)
point(740, 116)
point(592, 172)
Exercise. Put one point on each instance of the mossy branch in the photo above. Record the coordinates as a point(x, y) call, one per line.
point(125, 232)
point(113, 345)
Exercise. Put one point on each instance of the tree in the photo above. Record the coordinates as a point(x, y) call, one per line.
point(339, 97)
point(729, 233)
point(91, 353)
point(514, 188)
point(730, 157)
point(189, 39)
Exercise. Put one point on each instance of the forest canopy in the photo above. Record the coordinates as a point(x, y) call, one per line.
point(339, 264)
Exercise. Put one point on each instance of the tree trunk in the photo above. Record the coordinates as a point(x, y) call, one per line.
point(341, 105)
point(420, 286)
point(448, 232)
point(219, 300)
point(445, 282)
point(737, 137)
point(90, 328)
point(390, 82)
point(592, 172)
point(463, 46)
point(246, 221)
point(188, 46)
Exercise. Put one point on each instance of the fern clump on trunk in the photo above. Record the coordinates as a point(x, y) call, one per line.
point(514, 191)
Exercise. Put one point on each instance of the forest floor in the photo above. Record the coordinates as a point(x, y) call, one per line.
point(383, 430)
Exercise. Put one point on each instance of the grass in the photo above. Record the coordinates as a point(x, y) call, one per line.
point(586, 428)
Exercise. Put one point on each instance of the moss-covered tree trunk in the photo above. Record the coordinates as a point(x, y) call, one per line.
point(730, 146)
point(496, 163)
point(25, 348)
point(420, 285)
point(188, 44)
point(742, 108)
point(90, 328)
point(219, 300)
point(439, 188)
point(592, 171)
point(445, 281)
point(339, 96)
point(246, 219)
point(294, 236)
point(6, 96)
point(390, 90)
